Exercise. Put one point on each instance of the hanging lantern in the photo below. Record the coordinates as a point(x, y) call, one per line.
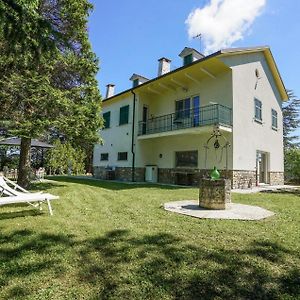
point(216, 144)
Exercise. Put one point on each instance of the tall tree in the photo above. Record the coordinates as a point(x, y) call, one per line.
point(291, 121)
point(50, 84)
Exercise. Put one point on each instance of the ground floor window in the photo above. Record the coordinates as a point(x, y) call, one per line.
point(187, 159)
point(122, 155)
point(104, 156)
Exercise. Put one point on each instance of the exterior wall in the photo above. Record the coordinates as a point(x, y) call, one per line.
point(276, 178)
point(121, 173)
point(99, 172)
point(186, 176)
point(248, 135)
point(236, 88)
point(239, 179)
point(161, 151)
point(243, 179)
point(218, 90)
point(117, 138)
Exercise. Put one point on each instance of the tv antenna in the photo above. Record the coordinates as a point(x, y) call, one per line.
point(199, 37)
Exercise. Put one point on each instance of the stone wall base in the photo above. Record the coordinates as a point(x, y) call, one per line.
point(99, 172)
point(243, 179)
point(240, 179)
point(185, 176)
point(121, 173)
point(276, 178)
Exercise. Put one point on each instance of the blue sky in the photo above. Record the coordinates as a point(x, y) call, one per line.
point(129, 36)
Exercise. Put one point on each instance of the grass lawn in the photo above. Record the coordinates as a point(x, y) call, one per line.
point(114, 241)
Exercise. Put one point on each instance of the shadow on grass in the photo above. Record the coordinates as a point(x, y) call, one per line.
point(288, 191)
point(112, 185)
point(43, 186)
point(20, 214)
point(120, 265)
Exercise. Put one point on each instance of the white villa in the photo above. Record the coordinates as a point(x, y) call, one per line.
point(157, 130)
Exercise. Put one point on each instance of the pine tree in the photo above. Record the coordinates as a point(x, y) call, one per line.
point(48, 81)
point(291, 121)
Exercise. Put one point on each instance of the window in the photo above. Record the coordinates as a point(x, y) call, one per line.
point(196, 110)
point(182, 108)
point(258, 110)
point(186, 159)
point(104, 156)
point(122, 155)
point(106, 119)
point(188, 59)
point(274, 119)
point(135, 82)
point(124, 115)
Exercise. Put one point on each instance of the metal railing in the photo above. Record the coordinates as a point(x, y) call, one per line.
point(215, 114)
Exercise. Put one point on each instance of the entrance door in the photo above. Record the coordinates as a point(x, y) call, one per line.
point(145, 118)
point(262, 167)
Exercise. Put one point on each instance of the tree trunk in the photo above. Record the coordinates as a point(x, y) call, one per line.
point(24, 163)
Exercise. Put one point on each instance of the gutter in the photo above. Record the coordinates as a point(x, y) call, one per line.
point(132, 139)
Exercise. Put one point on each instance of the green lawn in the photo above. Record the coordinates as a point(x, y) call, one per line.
point(114, 241)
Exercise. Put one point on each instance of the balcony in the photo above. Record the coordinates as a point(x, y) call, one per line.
point(215, 114)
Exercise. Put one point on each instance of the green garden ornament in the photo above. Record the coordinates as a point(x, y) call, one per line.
point(215, 174)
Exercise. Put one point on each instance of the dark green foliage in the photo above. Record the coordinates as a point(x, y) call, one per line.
point(291, 120)
point(292, 164)
point(64, 159)
point(59, 90)
point(47, 79)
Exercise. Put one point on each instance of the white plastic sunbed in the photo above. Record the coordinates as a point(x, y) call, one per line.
point(12, 193)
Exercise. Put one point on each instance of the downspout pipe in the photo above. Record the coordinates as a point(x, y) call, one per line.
point(132, 139)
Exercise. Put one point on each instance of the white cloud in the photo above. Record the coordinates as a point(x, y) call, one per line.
point(223, 22)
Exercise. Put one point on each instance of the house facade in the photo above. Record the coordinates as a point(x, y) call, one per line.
point(158, 129)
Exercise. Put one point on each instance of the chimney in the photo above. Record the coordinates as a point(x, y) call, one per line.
point(110, 90)
point(137, 79)
point(164, 66)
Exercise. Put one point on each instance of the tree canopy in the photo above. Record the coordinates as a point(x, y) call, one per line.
point(291, 121)
point(48, 69)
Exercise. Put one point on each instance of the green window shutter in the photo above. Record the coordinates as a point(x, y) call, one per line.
point(124, 115)
point(188, 59)
point(135, 82)
point(106, 119)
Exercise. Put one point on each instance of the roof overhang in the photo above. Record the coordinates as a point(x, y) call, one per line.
point(211, 60)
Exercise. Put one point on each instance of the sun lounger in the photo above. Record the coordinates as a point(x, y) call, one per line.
point(12, 193)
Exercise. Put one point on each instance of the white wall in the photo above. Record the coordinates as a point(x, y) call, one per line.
point(117, 138)
point(234, 88)
point(248, 135)
point(217, 90)
point(150, 150)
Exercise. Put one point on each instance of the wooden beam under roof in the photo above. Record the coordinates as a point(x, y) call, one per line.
point(208, 73)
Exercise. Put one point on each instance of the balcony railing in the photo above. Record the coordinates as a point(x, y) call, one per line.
point(215, 114)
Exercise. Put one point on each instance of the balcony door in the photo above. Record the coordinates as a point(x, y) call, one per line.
point(187, 112)
point(196, 111)
point(145, 118)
